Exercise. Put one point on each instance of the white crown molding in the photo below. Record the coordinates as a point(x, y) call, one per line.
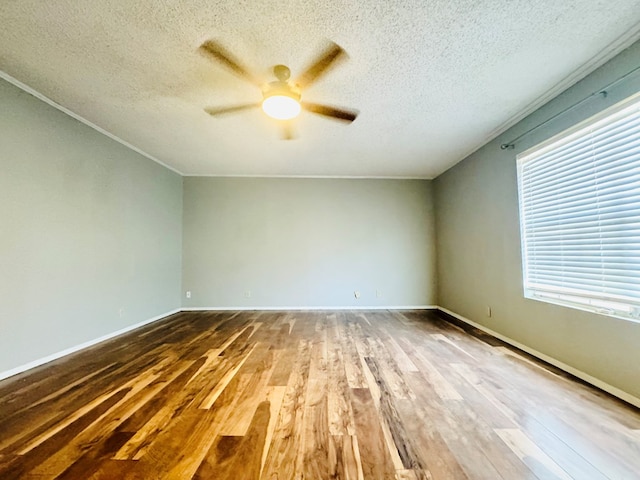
point(623, 42)
point(330, 177)
point(31, 91)
point(66, 111)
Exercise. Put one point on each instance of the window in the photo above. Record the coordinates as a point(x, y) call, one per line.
point(580, 214)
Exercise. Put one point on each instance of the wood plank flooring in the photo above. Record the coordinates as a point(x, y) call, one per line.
point(314, 395)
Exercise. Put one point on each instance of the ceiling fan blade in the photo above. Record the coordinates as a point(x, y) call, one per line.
point(332, 53)
point(235, 108)
point(336, 113)
point(218, 52)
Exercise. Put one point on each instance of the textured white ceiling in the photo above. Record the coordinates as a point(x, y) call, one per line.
point(433, 79)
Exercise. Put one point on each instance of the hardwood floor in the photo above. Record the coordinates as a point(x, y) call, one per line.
point(314, 395)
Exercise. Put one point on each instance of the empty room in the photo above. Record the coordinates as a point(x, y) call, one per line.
point(320, 240)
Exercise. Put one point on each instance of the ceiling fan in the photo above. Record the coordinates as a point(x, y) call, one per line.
point(281, 99)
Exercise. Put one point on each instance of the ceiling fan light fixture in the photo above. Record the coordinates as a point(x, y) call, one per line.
point(281, 98)
point(281, 107)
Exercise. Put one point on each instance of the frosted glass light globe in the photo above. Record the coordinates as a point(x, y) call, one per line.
point(281, 107)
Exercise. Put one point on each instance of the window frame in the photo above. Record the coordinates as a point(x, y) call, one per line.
point(608, 307)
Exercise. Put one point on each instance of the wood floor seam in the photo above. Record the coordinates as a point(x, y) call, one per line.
point(292, 395)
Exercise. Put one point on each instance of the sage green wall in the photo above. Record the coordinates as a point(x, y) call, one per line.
point(478, 245)
point(91, 233)
point(307, 242)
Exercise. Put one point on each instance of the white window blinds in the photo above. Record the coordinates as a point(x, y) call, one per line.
point(580, 214)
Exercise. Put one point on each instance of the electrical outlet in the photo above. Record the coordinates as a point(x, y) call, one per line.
point(488, 311)
point(356, 294)
point(247, 294)
point(188, 293)
point(121, 312)
point(378, 293)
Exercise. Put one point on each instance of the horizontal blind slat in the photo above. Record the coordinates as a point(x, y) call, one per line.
point(580, 214)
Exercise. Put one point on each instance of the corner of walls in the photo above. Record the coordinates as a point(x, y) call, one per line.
point(91, 232)
point(479, 252)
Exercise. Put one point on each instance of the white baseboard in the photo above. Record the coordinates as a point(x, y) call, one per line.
point(75, 348)
point(616, 392)
point(301, 308)
point(563, 366)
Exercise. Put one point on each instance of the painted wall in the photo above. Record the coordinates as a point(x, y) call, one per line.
point(90, 238)
point(478, 245)
point(307, 242)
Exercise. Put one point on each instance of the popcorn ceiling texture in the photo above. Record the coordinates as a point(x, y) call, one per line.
point(433, 79)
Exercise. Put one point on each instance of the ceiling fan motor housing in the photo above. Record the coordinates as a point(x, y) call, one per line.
point(281, 88)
